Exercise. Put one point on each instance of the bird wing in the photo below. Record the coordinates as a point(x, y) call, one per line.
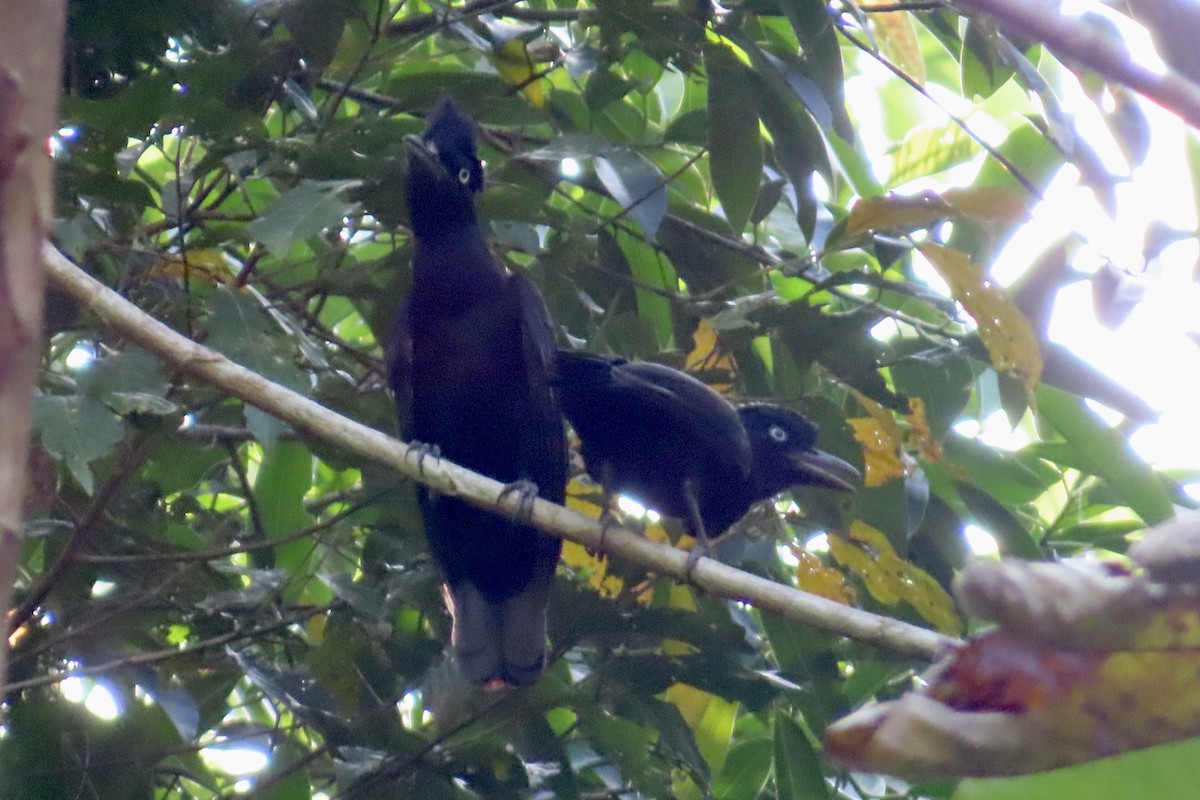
point(399, 364)
point(711, 418)
point(543, 441)
point(659, 392)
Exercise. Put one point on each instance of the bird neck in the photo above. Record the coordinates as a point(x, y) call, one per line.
point(439, 212)
point(461, 265)
point(770, 478)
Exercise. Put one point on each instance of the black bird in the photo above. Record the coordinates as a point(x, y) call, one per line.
point(676, 445)
point(469, 360)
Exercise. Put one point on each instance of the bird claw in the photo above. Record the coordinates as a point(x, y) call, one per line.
point(607, 520)
point(699, 550)
point(526, 492)
point(423, 452)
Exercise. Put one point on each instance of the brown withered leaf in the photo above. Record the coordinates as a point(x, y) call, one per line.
point(1171, 551)
point(1088, 661)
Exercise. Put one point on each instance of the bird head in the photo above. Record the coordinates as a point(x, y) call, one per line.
point(785, 454)
point(444, 171)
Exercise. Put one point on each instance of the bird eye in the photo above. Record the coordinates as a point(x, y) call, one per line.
point(778, 434)
point(464, 175)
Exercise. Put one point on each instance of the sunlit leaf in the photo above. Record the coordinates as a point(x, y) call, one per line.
point(707, 355)
point(575, 555)
point(929, 149)
point(929, 447)
point(898, 39)
point(514, 64)
point(894, 213)
point(989, 203)
point(1004, 330)
point(891, 580)
point(813, 576)
point(1106, 453)
point(881, 454)
point(881, 438)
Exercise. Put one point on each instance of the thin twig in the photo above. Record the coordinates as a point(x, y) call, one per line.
point(130, 461)
point(165, 654)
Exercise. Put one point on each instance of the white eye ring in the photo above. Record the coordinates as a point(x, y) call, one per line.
point(464, 175)
point(778, 434)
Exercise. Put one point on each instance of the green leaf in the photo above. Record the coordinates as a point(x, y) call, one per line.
point(241, 330)
point(746, 770)
point(283, 479)
point(304, 211)
point(930, 149)
point(715, 730)
point(798, 773)
point(77, 429)
point(1163, 773)
point(1014, 538)
point(818, 39)
point(1107, 453)
point(983, 69)
point(636, 184)
point(1001, 474)
point(649, 269)
point(735, 145)
point(604, 87)
point(133, 370)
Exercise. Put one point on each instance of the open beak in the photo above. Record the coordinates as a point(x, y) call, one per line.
point(819, 468)
point(423, 154)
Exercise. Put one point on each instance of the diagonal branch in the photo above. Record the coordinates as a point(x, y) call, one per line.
point(1073, 39)
point(313, 419)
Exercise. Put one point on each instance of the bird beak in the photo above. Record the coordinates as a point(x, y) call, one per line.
point(423, 154)
point(819, 468)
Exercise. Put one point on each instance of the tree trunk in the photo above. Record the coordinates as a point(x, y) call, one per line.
point(31, 44)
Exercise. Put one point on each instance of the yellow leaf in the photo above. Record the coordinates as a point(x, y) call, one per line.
point(906, 213)
point(930, 448)
point(890, 579)
point(706, 354)
point(880, 454)
point(680, 597)
point(514, 64)
point(989, 203)
point(896, 213)
point(1008, 336)
point(880, 437)
point(898, 40)
point(209, 265)
point(315, 628)
point(690, 701)
point(879, 413)
point(817, 578)
point(576, 556)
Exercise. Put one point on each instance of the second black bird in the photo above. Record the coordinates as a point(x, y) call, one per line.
point(677, 446)
point(469, 358)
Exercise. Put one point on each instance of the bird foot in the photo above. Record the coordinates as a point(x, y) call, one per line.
point(607, 520)
point(526, 492)
point(423, 452)
point(699, 550)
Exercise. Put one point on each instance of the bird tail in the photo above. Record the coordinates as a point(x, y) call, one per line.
point(498, 641)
